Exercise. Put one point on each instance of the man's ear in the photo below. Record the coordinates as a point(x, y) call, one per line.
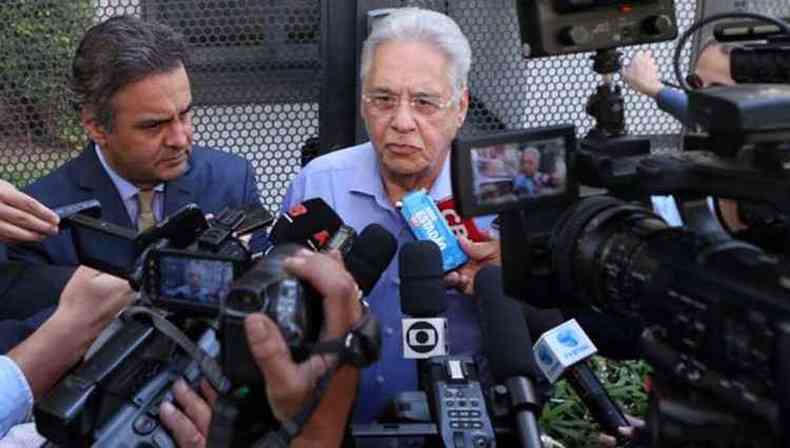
point(95, 131)
point(463, 106)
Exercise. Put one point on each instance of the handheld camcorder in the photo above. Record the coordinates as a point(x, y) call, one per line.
point(190, 269)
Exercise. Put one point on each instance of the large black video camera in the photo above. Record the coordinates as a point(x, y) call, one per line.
point(716, 310)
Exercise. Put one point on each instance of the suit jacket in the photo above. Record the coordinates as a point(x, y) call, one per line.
point(28, 294)
point(213, 181)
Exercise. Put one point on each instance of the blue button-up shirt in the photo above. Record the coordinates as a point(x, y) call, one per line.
point(675, 102)
point(350, 183)
point(16, 398)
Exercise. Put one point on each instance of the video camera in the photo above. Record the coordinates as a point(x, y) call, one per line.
point(714, 309)
point(765, 55)
point(194, 276)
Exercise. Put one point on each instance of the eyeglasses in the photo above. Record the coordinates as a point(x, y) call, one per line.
point(425, 106)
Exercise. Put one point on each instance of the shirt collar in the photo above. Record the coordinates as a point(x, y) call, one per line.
point(126, 189)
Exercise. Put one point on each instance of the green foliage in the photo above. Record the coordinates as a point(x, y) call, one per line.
point(39, 40)
point(565, 417)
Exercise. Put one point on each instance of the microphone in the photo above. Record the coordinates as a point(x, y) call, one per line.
point(507, 342)
point(369, 256)
point(562, 351)
point(451, 383)
point(423, 297)
point(310, 223)
point(465, 227)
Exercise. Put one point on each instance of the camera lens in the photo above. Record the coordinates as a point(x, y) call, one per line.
point(600, 251)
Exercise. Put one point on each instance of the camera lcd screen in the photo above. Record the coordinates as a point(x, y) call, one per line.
point(92, 238)
point(513, 169)
point(197, 280)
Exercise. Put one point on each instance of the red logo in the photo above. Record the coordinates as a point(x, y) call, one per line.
point(321, 238)
point(297, 210)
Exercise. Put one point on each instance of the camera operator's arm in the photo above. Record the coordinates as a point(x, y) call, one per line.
point(289, 385)
point(23, 218)
point(88, 303)
point(480, 254)
point(642, 75)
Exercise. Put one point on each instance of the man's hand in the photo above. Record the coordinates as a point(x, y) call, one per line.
point(190, 428)
point(23, 218)
point(88, 303)
point(480, 254)
point(633, 432)
point(288, 385)
point(642, 74)
point(92, 299)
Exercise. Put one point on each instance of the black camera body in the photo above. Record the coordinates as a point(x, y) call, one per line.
point(574, 26)
point(293, 305)
point(715, 310)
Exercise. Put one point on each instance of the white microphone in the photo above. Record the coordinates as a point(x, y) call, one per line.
point(562, 347)
point(562, 351)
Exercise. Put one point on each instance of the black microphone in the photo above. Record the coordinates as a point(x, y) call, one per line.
point(508, 347)
point(422, 297)
point(422, 293)
point(310, 223)
point(451, 383)
point(371, 253)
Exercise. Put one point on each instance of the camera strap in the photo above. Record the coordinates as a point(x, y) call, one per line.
point(208, 365)
point(360, 346)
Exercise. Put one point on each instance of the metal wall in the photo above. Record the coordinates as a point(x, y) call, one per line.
point(268, 75)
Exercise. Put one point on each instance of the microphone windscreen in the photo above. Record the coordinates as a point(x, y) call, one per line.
point(370, 255)
point(421, 272)
point(506, 340)
point(311, 223)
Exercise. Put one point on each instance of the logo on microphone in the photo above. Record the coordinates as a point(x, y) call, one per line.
point(545, 357)
point(567, 338)
point(297, 210)
point(424, 338)
point(561, 347)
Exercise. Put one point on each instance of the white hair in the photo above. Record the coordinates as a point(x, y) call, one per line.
point(531, 151)
point(422, 25)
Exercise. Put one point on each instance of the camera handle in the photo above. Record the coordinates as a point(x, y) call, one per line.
point(208, 365)
point(606, 105)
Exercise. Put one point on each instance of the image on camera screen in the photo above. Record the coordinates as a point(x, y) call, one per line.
point(509, 172)
point(201, 281)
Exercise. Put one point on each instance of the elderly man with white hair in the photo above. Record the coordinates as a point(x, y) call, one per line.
point(415, 67)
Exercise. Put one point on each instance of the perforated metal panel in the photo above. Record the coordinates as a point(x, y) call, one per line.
point(257, 75)
point(778, 8)
point(38, 129)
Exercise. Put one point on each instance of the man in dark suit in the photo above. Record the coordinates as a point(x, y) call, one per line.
point(133, 92)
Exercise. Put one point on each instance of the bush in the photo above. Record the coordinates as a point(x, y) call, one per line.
point(39, 40)
point(566, 418)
